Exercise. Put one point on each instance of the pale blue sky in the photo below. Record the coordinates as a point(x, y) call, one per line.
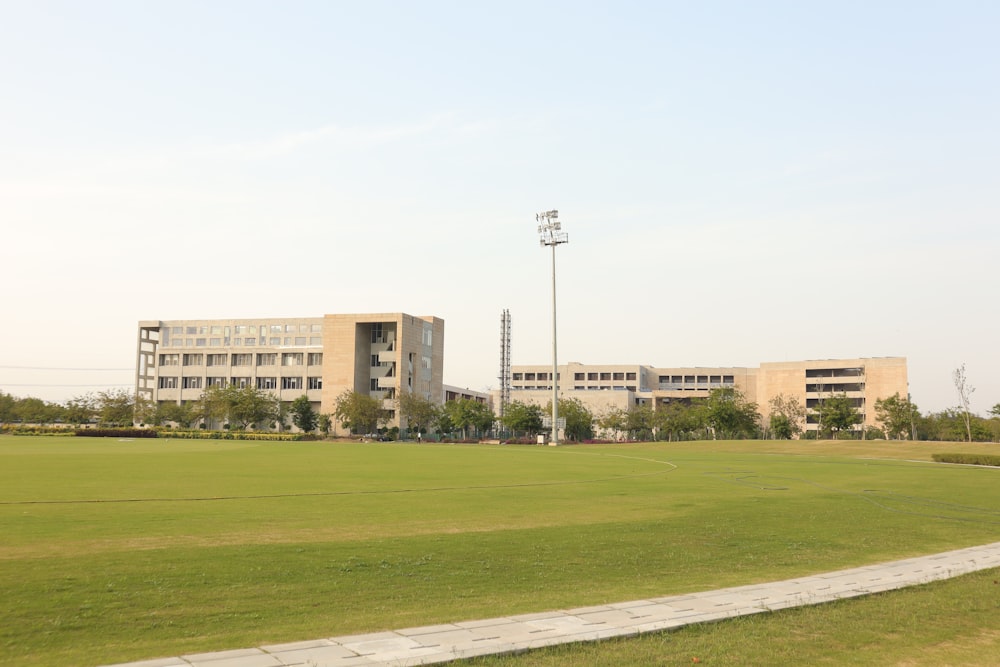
point(741, 182)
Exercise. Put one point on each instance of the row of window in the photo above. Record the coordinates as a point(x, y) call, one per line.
point(696, 379)
point(242, 359)
point(197, 382)
point(834, 372)
point(220, 329)
point(835, 388)
point(252, 341)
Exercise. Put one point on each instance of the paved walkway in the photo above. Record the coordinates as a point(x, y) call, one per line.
point(440, 643)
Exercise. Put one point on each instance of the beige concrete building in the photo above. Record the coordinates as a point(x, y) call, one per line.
point(619, 386)
point(379, 354)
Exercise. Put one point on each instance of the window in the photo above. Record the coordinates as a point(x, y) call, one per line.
point(630, 376)
point(267, 359)
point(215, 382)
point(214, 342)
point(267, 383)
point(529, 376)
point(170, 359)
point(275, 328)
point(427, 335)
point(315, 359)
point(194, 359)
point(242, 360)
point(177, 331)
point(592, 377)
point(579, 377)
point(291, 359)
point(702, 379)
point(300, 340)
point(374, 360)
point(315, 383)
point(715, 379)
point(688, 378)
point(249, 342)
point(377, 333)
point(316, 328)
point(240, 329)
point(168, 383)
point(190, 331)
point(273, 340)
point(727, 379)
point(291, 383)
point(239, 382)
point(315, 340)
point(605, 376)
point(216, 330)
point(618, 376)
point(192, 383)
point(199, 342)
point(542, 376)
point(517, 376)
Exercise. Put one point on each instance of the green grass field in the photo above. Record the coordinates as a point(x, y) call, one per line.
point(115, 551)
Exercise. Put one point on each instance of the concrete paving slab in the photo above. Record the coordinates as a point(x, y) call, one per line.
point(440, 643)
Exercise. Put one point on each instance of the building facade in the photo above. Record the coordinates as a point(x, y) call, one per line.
point(377, 354)
point(620, 386)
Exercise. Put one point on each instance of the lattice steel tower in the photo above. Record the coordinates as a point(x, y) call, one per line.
point(504, 376)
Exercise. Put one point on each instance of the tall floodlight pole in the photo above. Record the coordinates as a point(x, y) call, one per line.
point(551, 234)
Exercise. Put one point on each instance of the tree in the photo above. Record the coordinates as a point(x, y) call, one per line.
point(241, 406)
point(787, 417)
point(579, 419)
point(466, 413)
point(81, 409)
point(116, 407)
point(640, 422)
point(8, 408)
point(36, 411)
point(964, 393)
point(360, 413)
point(896, 415)
point(678, 419)
point(249, 406)
point(837, 413)
point(417, 412)
point(303, 415)
point(182, 414)
point(325, 423)
point(523, 418)
point(613, 420)
point(729, 414)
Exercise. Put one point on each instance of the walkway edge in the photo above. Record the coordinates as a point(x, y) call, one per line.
point(437, 644)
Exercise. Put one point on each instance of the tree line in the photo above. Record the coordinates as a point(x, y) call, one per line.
point(724, 414)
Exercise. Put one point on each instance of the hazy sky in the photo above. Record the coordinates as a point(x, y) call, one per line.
point(741, 182)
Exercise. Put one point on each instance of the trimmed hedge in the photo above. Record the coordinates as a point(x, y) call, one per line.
point(231, 435)
point(969, 459)
point(115, 433)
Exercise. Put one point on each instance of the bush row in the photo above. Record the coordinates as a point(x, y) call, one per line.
point(230, 435)
point(969, 459)
point(114, 433)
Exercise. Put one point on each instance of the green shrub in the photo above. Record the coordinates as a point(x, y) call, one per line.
point(969, 459)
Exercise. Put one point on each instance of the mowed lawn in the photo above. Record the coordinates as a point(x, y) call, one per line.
point(113, 551)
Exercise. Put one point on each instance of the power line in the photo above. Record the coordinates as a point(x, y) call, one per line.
point(54, 368)
point(96, 384)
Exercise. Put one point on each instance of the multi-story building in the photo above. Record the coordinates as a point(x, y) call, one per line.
point(619, 386)
point(378, 354)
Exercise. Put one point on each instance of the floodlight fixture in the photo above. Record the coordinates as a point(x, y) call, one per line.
point(551, 234)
